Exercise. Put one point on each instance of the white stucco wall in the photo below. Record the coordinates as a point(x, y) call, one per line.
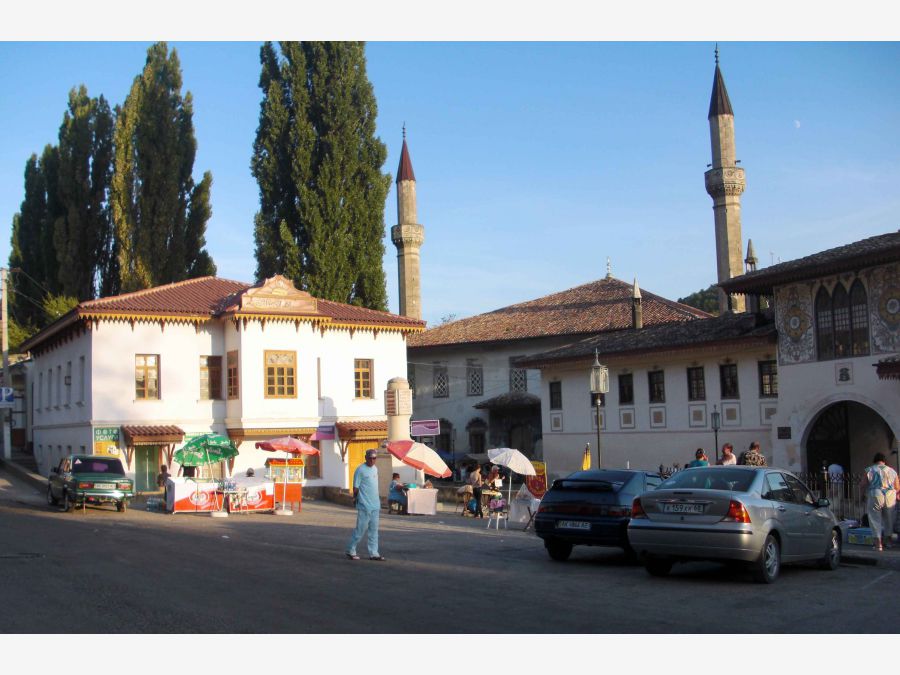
point(646, 446)
point(110, 348)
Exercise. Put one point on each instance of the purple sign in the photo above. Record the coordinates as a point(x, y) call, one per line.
point(425, 428)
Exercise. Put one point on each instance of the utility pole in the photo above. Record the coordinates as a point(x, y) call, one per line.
point(4, 329)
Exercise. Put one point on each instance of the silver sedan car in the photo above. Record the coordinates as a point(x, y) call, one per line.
point(757, 515)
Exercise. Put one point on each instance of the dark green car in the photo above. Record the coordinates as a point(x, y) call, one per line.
point(89, 479)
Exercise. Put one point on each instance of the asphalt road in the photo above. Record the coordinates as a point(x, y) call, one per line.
point(99, 571)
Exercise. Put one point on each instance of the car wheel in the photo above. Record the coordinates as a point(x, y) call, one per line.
point(768, 565)
point(121, 506)
point(68, 502)
point(51, 500)
point(558, 550)
point(658, 567)
point(833, 555)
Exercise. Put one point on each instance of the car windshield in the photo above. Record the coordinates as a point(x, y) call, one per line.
point(96, 465)
point(736, 480)
point(594, 481)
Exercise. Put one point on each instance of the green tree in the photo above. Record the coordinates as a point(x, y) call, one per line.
point(83, 232)
point(318, 164)
point(706, 300)
point(159, 212)
point(31, 244)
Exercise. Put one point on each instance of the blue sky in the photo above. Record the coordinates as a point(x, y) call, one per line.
point(536, 161)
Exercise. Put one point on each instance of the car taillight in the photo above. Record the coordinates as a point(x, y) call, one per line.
point(616, 511)
point(544, 508)
point(85, 486)
point(736, 513)
point(637, 510)
point(123, 486)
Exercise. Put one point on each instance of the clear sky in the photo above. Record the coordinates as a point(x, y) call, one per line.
point(538, 160)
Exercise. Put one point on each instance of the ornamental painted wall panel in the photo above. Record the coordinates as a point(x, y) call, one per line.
point(884, 305)
point(794, 319)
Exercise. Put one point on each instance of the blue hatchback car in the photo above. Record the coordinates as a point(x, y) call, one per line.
point(590, 508)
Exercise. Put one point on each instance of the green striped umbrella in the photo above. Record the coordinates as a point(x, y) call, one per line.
point(205, 449)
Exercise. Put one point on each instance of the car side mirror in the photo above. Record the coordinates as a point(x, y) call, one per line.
point(822, 503)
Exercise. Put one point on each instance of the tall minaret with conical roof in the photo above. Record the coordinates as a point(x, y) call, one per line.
point(408, 236)
point(725, 183)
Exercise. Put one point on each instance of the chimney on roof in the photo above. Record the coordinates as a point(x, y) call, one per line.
point(637, 312)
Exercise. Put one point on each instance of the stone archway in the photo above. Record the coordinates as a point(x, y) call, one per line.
point(848, 433)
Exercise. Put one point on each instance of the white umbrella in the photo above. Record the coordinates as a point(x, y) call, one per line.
point(513, 460)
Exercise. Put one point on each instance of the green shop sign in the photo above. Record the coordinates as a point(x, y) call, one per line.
point(106, 435)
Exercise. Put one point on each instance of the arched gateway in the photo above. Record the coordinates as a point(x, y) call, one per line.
point(848, 433)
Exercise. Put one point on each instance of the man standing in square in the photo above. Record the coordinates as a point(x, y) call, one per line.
point(368, 507)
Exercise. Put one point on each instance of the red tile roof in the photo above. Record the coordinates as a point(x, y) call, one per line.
point(149, 435)
point(208, 297)
point(191, 297)
point(602, 305)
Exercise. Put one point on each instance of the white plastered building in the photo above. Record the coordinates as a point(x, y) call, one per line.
point(139, 374)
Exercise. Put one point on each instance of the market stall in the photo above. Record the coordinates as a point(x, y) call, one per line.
point(252, 494)
point(422, 501)
point(186, 495)
point(287, 476)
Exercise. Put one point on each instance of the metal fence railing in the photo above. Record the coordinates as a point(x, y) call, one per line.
point(845, 491)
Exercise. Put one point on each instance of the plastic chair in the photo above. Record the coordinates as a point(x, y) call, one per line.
point(495, 515)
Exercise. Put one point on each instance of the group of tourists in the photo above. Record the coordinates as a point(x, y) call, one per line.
point(750, 457)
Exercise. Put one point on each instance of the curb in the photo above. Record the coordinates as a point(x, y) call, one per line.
point(33, 479)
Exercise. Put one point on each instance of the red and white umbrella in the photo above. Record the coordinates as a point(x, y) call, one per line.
point(419, 456)
point(292, 446)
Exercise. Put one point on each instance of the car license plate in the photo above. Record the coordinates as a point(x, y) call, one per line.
point(572, 525)
point(104, 486)
point(682, 508)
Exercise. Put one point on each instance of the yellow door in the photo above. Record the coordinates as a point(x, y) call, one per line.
point(356, 455)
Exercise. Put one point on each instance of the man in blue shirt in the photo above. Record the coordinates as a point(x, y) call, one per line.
point(368, 507)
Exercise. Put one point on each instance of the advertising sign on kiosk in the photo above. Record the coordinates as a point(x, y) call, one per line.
point(288, 490)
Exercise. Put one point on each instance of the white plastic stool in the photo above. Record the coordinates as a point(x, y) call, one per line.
point(496, 517)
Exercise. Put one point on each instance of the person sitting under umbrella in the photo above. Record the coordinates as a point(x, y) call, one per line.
point(397, 493)
point(494, 479)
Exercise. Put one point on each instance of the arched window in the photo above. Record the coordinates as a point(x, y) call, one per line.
point(859, 319)
point(824, 325)
point(840, 303)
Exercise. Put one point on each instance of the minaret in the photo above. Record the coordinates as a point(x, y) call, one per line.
point(637, 312)
point(750, 266)
point(725, 183)
point(750, 261)
point(408, 237)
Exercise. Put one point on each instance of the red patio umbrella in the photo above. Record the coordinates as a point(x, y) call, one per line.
point(419, 456)
point(292, 446)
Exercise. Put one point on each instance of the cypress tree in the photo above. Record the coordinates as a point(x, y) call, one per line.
point(159, 213)
point(83, 232)
point(31, 243)
point(318, 164)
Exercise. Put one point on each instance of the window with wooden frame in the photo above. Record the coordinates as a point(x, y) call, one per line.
point(768, 379)
point(626, 389)
point(210, 378)
point(362, 378)
point(656, 380)
point(696, 384)
point(728, 376)
point(556, 396)
point(146, 377)
point(281, 370)
point(233, 383)
point(312, 464)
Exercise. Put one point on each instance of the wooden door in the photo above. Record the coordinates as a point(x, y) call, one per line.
point(356, 455)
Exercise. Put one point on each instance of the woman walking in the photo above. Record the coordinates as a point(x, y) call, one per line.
point(881, 486)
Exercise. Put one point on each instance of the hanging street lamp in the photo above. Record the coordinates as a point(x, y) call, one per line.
point(599, 387)
point(716, 420)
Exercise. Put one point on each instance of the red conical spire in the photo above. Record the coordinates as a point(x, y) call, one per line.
point(405, 170)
